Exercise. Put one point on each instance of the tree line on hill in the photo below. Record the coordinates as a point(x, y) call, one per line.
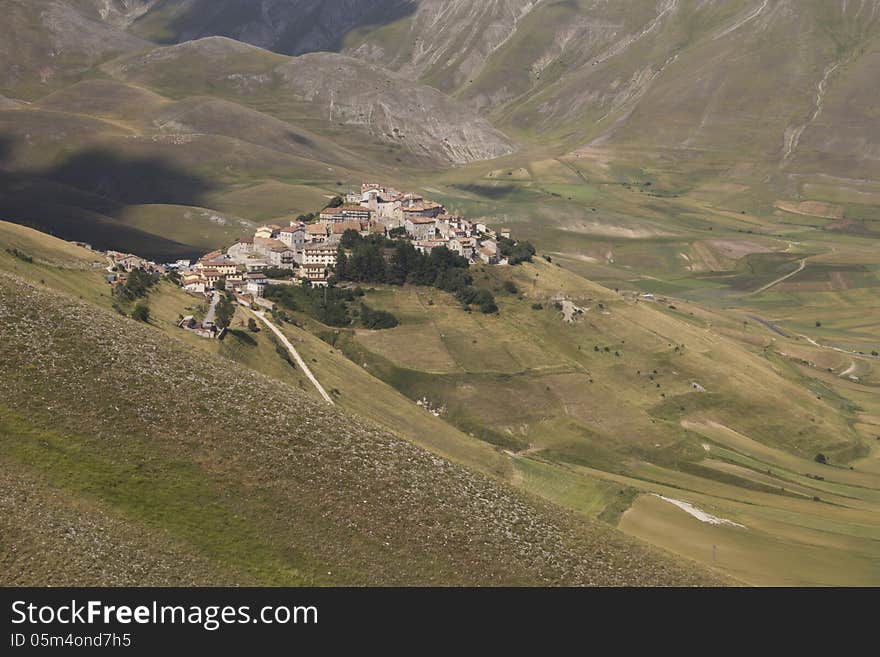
point(135, 289)
point(331, 305)
point(378, 259)
point(515, 252)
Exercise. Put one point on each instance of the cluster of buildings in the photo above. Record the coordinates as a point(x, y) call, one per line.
point(309, 249)
point(120, 265)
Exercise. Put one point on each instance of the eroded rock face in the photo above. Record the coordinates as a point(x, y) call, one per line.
point(120, 12)
point(340, 90)
point(47, 43)
point(393, 109)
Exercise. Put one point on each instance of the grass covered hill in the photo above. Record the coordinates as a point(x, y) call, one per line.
point(248, 476)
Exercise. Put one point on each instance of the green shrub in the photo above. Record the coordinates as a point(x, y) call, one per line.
point(377, 319)
point(141, 312)
point(21, 255)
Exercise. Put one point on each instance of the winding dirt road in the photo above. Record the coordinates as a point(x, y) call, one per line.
point(780, 279)
point(293, 352)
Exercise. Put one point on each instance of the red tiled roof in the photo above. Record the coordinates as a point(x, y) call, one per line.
point(340, 228)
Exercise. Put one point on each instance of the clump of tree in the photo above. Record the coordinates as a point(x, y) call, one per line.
point(328, 305)
point(279, 272)
point(821, 458)
point(515, 252)
point(377, 259)
point(224, 312)
point(252, 325)
point(141, 312)
point(336, 201)
point(510, 287)
point(307, 217)
point(470, 296)
point(377, 319)
point(282, 351)
point(137, 285)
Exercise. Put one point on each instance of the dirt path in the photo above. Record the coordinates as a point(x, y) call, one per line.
point(212, 309)
point(837, 349)
point(780, 279)
point(699, 514)
point(293, 352)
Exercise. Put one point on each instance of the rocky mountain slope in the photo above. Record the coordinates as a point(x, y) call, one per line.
point(327, 91)
point(45, 44)
point(770, 80)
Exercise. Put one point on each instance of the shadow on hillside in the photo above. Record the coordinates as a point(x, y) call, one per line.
point(130, 181)
point(311, 25)
point(80, 197)
point(5, 151)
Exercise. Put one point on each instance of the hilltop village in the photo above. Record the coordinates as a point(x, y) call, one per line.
point(310, 249)
point(379, 235)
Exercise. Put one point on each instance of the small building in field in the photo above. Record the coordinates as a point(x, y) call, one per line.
point(189, 323)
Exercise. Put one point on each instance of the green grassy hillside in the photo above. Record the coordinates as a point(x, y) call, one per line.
point(699, 178)
point(243, 473)
point(47, 45)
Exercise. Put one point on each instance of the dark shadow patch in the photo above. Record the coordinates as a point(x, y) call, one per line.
point(243, 337)
point(5, 150)
point(78, 198)
point(489, 191)
point(131, 181)
point(297, 26)
point(297, 138)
